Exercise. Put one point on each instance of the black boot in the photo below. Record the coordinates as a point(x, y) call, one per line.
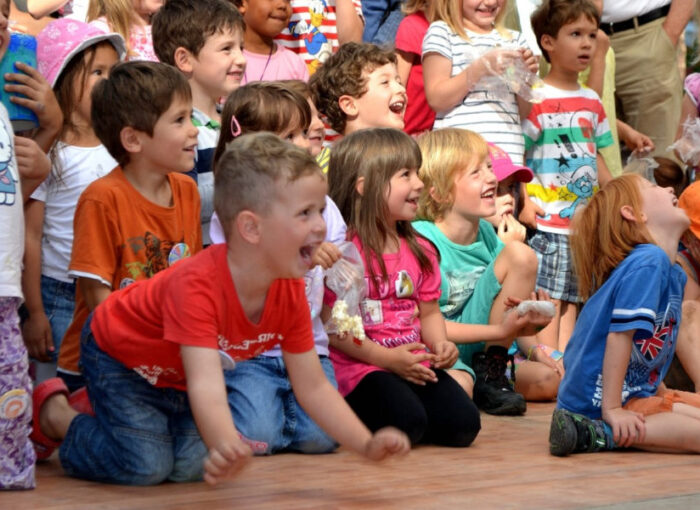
point(493, 392)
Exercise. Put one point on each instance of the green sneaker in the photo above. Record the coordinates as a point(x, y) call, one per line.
point(576, 433)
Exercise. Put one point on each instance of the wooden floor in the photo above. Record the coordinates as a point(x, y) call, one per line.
point(508, 466)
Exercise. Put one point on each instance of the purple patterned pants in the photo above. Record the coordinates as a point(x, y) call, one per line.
point(16, 451)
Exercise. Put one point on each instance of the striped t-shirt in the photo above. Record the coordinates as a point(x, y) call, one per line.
point(491, 111)
point(562, 137)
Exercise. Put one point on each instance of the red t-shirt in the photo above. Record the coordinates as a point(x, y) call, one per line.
point(195, 303)
point(419, 116)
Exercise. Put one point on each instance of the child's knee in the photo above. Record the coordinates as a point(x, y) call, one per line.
point(521, 258)
point(691, 311)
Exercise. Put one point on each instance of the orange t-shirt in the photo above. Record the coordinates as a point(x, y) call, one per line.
point(121, 237)
point(195, 303)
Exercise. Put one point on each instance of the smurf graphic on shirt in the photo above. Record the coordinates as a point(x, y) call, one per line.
point(581, 186)
point(317, 44)
point(8, 174)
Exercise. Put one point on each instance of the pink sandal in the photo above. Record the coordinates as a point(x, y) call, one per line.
point(44, 445)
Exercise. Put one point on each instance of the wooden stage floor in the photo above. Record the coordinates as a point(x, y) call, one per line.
point(508, 466)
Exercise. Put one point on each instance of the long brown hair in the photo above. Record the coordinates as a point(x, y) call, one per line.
point(375, 155)
point(601, 237)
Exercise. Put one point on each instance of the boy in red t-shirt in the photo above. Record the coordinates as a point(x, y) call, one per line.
point(153, 353)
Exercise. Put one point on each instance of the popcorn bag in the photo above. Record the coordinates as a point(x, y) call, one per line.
point(518, 79)
point(346, 278)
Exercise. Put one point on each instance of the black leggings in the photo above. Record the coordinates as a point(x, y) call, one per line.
point(438, 413)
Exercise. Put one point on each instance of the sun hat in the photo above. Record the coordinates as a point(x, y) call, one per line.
point(63, 39)
point(689, 201)
point(504, 167)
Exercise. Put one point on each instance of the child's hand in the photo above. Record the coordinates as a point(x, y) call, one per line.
point(531, 61)
point(404, 363)
point(326, 255)
point(510, 229)
point(541, 356)
point(602, 45)
point(636, 141)
point(446, 354)
point(524, 325)
point(528, 216)
point(36, 332)
point(32, 162)
point(496, 61)
point(385, 442)
point(40, 97)
point(225, 461)
point(628, 426)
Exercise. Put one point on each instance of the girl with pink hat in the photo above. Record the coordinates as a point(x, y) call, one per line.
point(73, 56)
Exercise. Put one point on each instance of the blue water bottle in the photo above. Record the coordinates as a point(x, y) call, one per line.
point(22, 48)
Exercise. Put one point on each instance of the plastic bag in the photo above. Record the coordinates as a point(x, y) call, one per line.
point(346, 278)
point(518, 79)
point(641, 163)
point(688, 145)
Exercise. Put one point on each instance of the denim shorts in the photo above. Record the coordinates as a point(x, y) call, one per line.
point(140, 434)
point(555, 272)
point(267, 413)
point(59, 302)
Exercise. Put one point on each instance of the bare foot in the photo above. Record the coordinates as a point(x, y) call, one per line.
point(55, 416)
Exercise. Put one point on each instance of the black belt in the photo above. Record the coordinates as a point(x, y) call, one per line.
point(637, 21)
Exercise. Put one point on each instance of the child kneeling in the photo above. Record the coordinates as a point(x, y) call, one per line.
point(153, 352)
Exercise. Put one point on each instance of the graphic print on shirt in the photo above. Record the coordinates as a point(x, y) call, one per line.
point(159, 255)
point(317, 44)
point(8, 175)
point(460, 287)
point(650, 352)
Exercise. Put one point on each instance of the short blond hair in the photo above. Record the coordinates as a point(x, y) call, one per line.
point(446, 154)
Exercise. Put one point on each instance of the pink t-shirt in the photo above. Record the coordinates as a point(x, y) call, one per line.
point(140, 40)
point(419, 116)
point(283, 64)
point(692, 88)
point(390, 310)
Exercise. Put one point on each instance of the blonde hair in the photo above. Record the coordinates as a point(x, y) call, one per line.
point(601, 237)
point(446, 154)
point(119, 14)
point(450, 11)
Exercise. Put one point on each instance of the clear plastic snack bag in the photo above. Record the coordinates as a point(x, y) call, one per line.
point(346, 278)
point(516, 78)
point(688, 145)
point(641, 163)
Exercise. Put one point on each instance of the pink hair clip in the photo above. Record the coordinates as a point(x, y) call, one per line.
point(235, 126)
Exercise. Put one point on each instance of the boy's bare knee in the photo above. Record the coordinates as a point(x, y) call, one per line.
point(691, 310)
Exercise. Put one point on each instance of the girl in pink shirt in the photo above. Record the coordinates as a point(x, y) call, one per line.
point(396, 376)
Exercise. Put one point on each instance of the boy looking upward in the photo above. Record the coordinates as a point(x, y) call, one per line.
point(563, 135)
point(203, 39)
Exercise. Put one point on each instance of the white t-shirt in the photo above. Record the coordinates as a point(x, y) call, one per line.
point(11, 214)
point(79, 166)
point(490, 111)
point(621, 10)
point(76, 9)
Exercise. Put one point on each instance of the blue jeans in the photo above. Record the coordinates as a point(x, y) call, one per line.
point(266, 412)
point(382, 18)
point(140, 434)
point(59, 302)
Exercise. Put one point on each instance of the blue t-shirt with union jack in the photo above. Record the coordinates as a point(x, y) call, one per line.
point(643, 294)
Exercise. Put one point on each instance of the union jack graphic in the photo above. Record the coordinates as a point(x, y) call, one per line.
point(652, 346)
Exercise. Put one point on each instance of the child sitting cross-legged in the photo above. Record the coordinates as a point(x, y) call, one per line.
point(162, 413)
point(481, 276)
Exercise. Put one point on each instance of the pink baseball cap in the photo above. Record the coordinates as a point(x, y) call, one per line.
point(504, 167)
point(63, 39)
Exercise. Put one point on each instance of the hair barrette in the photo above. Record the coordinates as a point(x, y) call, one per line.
point(235, 126)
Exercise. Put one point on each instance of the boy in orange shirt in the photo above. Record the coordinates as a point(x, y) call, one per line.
point(153, 353)
point(143, 216)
